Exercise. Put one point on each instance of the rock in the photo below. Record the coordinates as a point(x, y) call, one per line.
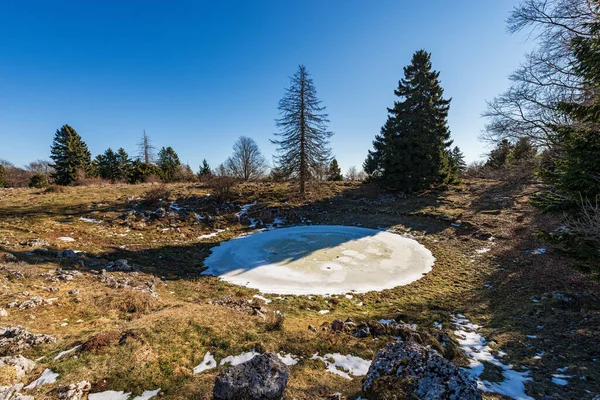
point(21, 364)
point(336, 396)
point(15, 339)
point(264, 377)
point(12, 393)
point(74, 391)
point(74, 292)
point(10, 257)
point(36, 243)
point(3, 312)
point(121, 265)
point(160, 213)
point(406, 369)
point(68, 254)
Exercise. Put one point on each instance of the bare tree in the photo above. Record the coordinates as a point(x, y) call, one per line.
point(247, 162)
point(146, 151)
point(352, 173)
point(40, 166)
point(546, 78)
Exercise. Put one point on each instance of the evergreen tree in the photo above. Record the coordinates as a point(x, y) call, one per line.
point(70, 155)
point(107, 165)
point(498, 157)
point(411, 152)
point(168, 163)
point(457, 160)
point(123, 164)
point(2, 176)
point(335, 172)
point(522, 151)
point(304, 142)
point(205, 170)
point(140, 171)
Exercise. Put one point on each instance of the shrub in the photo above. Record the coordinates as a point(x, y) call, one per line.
point(275, 321)
point(222, 186)
point(38, 180)
point(156, 195)
point(55, 189)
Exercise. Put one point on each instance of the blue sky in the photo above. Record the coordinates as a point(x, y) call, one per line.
point(197, 75)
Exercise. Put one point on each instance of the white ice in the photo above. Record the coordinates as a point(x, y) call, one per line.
point(64, 353)
point(305, 260)
point(207, 363)
point(267, 301)
point(90, 220)
point(242, 358)
point(353, 365)
point(66, 239)
point(211, 235)
point(48, 376)
point(475, 347)
point(560, 379)
point(148, 394)
point(109, 395)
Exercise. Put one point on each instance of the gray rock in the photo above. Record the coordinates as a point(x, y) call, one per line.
point(3, 312)
point(75, 391)
point(68, 254)
point(21, 365)
point(15, 339)
point(10, 257)
point(405, 369)
point(12, 393)
point(160, 213)
point(121, 265)
point(262, 378)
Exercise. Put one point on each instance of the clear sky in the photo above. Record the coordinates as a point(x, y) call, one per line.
point(197, 75)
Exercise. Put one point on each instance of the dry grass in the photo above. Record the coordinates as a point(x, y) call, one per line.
point(135, 342)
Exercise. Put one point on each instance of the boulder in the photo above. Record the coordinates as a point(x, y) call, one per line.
point(21, 365)
point(15, 339)
point(264, 377)
point(405, 369)
point(75, 391)
point(120, 265)
point(12, 393)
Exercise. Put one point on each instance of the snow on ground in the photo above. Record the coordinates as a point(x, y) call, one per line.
point(484, 250)
point(288, 359)
point(475, 347)
point(353, 365)
point(322, 312)
point(48, 376)
point(211, 235)
point(267, 301)
point(90, 220)
point(207, 363)
point(242, 358)
point(320, 260)
point(560, 379)
point(148, 394)
point(64, 353)
point(109, 395)
point(66, 239)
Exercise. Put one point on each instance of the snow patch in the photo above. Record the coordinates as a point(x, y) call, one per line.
point(267, 301)
point(109, 395)
point(148, 394)
point(288, 359)
point(48, 376)
point(207, 363)
point(351, 365)
point(90, 220)
point(242, 358)
point(560, 379)
point(66, 239)
point(323, 312)
point(64, 353)
point(475, 347)
point(210, 235)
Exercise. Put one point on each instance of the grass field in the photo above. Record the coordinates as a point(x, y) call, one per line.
point(148, 329)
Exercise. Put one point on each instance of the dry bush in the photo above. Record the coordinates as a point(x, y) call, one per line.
point(99, 343)
point(222, 186)
point(156, 195)
point(132, 302)
point(16, 177)
point(275, 321)
point(152, 179)
point(587, 224)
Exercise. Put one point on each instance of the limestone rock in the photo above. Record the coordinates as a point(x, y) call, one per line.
point(75, 391)
point(264, 377)
point(12, 393)
point(405, 369)
point(14, 339)
point(21, 365)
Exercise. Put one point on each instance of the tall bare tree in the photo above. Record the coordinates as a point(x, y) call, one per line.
point(247, 162)
point(146, 151)
point(529, 108)
point(304, 138)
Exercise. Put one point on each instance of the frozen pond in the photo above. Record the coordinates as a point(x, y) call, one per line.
point(321, 259)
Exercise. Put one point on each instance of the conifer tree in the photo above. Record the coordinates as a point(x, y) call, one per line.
point(304, 138)
point(123, 164)
point(499, 156)
point(107, 166)
point(411, 152)
point(140, 171)
point(70, 155)
point(168, 163)
point(204, 169)
point(146, 151)
point(457, 160)
point(335, 172)
point(2, 176)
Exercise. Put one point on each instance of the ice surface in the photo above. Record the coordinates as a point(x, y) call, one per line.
point(48, 376)
point(320, 260)
point(64, 353)
point(351, 365)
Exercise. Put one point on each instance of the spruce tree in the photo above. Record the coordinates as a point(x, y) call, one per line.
point(457, 159)
point(204, 169)
point(123, 163)
point(70, 155)
point(107, 166)
point(304, 142)
point(498, 157)
point(411, 152)
point(168, 163)
point(335, 172)
point(140, 171)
